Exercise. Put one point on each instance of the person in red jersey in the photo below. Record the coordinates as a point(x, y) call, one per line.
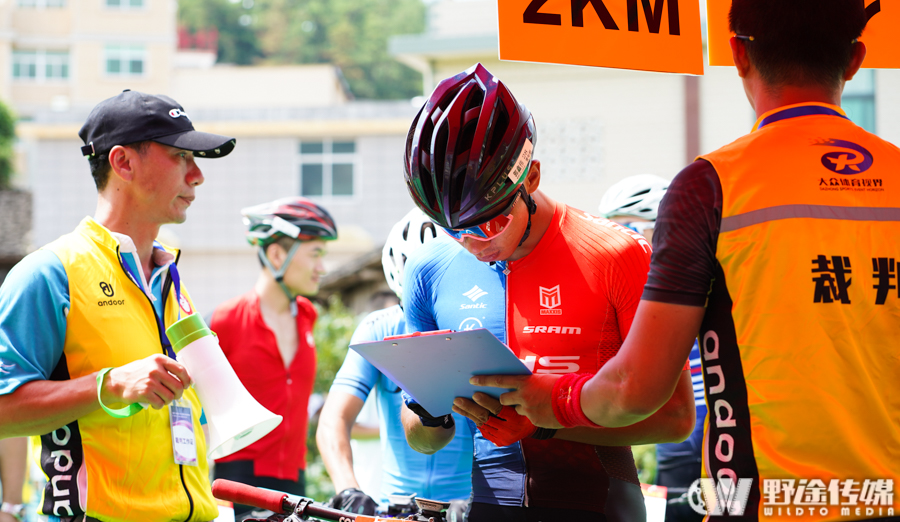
point(537, 274)
point(267, 335)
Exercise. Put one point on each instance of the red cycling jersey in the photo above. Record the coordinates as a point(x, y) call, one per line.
point(570, 303)
point(252, 350)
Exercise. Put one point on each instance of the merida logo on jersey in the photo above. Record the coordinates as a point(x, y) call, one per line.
point(565, 330)
point(848, 159)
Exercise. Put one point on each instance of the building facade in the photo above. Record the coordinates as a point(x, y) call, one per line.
point(300, 132)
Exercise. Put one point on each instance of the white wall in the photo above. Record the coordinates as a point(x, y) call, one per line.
point(887, 104)
point(725, 113)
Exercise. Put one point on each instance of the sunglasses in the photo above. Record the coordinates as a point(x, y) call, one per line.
point(486, 231)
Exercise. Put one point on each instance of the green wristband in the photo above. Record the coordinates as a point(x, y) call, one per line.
point(121, 413)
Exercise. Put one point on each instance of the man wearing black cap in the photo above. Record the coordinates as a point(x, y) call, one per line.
point(84, 360)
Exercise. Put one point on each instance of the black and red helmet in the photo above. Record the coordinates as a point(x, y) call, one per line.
point(468, 150)
point(295, 217)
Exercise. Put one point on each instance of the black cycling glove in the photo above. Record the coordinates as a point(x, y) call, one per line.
point(444, 421)
point(353, 500)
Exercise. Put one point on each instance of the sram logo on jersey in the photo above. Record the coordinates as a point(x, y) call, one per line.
point(552, 363)
point(573, 330)
point(550, 300)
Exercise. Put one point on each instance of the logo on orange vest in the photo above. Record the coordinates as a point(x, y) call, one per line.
point(185, 305)
point(550, 300)
point(107, 289)
point(848, 159)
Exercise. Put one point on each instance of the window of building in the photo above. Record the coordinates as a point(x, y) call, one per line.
point(125, 60)
point(41, 65)
point(124, 4)
point(858, 100)
point(328, 168)
point(41, 4)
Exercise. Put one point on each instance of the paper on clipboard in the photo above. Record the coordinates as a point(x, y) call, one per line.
point(435, 367)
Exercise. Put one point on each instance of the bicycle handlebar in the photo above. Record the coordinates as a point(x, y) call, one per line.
point(279, 502)
point(260, 498)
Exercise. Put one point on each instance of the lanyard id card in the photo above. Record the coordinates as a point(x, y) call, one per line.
point(184, 443)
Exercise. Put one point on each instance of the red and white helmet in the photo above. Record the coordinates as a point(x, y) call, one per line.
point(294, 217)
point(407, 235)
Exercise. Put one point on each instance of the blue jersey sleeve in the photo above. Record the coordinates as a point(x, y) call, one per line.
point(418, 305)
point(357, 376)
point(34, 301)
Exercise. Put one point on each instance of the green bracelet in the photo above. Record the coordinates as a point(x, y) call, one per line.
point(121, 413)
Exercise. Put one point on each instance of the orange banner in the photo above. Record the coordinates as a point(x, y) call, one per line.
point(646, 35)
point(880, 36)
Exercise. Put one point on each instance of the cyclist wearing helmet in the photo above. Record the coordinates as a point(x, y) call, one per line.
point(446, 475)
point(633, 202)
point(557, 285)
point(267, 336)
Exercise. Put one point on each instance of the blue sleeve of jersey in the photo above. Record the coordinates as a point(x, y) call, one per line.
point(418, 306)
point(357, 376)
point(34, 301)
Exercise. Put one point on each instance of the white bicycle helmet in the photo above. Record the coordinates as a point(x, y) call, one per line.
point(408, 234)
point(634, 196)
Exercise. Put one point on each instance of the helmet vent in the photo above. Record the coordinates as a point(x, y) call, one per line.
point(427, 226)
point(406, 232)
point(426, 182)
point(498, 130)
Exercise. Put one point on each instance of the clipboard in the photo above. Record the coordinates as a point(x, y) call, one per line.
point(435, 367)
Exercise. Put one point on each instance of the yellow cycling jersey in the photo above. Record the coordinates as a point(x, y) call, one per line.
point(800, 340)
point(117, 469)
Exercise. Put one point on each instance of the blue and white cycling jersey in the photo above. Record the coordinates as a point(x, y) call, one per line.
point(446, 475)
point(476, 301)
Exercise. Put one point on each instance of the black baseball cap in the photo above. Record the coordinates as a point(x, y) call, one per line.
point(132, 116)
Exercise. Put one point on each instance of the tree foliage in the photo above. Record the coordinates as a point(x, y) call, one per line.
point(332, 334)
point(7, 138)
point(351, 34)
point(238, 43)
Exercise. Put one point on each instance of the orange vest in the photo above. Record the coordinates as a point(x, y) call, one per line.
point(801, 340)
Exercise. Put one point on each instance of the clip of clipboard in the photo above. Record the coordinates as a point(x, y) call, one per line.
point(435, 367)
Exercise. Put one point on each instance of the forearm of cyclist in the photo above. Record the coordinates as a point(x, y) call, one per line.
point(422, 438)
point(333, 438)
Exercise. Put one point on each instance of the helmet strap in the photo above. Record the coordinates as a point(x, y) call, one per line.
point(532, 208)
point(279, 274)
